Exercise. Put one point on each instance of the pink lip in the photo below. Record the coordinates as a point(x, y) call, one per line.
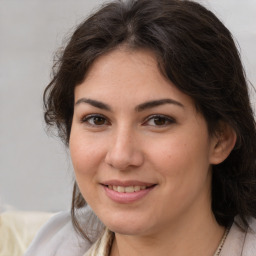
point(126, 183)
point(126, 198)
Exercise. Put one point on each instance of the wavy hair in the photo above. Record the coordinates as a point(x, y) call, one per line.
point(197, 53)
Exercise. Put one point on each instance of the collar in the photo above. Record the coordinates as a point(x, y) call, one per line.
point(237, 242)
point(103, 245)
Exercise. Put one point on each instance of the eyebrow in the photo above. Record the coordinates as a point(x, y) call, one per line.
point(156, 103)
point(94, 103)
point(139, 108)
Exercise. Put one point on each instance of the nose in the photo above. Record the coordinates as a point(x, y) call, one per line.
point(124, 151)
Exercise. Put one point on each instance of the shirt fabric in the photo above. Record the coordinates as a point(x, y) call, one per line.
point(17, 230)
point(102, 246)
point(58, 238)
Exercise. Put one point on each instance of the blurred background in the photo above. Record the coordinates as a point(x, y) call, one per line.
point(35, 170)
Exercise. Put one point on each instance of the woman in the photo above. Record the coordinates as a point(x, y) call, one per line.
point(151, 98)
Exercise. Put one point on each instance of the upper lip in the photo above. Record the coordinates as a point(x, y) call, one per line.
point(126, 183)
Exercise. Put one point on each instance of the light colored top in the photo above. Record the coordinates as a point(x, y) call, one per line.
point(17, 230)
point(58, 238)
point(102, 246)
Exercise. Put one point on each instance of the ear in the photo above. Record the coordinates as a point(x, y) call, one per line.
point(223, 143)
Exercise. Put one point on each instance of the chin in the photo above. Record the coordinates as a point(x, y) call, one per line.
point(126, 226)
point(129, 230)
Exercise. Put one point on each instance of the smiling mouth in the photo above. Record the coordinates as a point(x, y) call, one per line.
point(127, 192)
point(128, 189)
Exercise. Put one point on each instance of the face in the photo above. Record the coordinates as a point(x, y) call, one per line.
point(141, 152)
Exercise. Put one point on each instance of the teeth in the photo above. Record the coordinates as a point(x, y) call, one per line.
point(120, 189)
point(137, 188)
point(129, 189)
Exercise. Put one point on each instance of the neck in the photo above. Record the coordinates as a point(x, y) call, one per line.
point(194, 237)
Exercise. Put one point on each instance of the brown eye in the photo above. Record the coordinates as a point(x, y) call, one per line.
point(159, 121)
point(98, 120)
point(95, 120)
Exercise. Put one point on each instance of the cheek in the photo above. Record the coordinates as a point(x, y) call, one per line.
point(85, 154)
point(169, 151)
point(182, 157)
point(84, 160)
point(184, 170)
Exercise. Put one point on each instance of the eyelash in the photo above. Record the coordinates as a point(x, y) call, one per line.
point(87, 119)
point(166, 119)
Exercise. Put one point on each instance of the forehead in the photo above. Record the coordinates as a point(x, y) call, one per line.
point(128, 74)
point(130, 61)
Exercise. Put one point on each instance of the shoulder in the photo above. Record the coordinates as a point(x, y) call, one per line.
point(58, 237)
point(240, 242)
point(250, 239)
point(19, 228)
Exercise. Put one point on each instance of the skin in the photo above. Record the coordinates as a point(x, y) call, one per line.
point(126, 142)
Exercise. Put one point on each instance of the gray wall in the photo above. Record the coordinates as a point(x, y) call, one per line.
point(35, 170)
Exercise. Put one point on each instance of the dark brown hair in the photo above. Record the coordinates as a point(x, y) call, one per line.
point(197, 53)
